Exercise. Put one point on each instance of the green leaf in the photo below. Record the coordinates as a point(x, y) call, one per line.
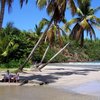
point(5, 53)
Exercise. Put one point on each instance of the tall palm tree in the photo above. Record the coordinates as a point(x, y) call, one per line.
point(9, 4)
point(84, 22)
point(55, 8)
point(52, 37)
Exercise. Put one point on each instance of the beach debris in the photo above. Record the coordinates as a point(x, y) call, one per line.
point(33, 82)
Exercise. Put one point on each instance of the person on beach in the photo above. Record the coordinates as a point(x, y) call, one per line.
point(15, 78)
point(7, 77)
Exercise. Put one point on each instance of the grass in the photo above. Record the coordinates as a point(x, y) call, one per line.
point(12, 70)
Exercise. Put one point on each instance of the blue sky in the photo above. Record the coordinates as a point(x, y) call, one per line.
point(27, 17)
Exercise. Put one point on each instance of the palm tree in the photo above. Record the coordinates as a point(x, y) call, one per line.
point(55, 8)
point(84, 22)
point(2, 8)
point(53, 36)
point(42, 66)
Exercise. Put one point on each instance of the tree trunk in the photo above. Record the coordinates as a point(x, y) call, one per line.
point(53, 57)
point(82, 39)
point(2, 9)
point(39, 41)
point(44, 55)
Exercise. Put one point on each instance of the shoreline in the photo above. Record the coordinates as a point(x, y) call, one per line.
point(64, 78)
point(41, 93)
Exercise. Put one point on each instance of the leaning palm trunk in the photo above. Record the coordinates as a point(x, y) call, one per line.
point(39, 41)
point(53, 56)
point(43, 56)
point(2, 9)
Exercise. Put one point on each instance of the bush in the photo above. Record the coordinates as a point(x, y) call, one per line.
point(14, 64)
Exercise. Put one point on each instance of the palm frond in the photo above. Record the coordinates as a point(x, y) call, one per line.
point(73, 7)
point(92, 32)
point(96, 9)
point(84, 6)
point(64, 21)
point(43, 22)
point(69, 23)
point(38, 28)
point(9, 2)
point(93, 18)
point(84, 24)
point(63, 32)
point(41, 3)
point(62, 6)
point(79, 2)
point(50, 8)
point(79, 12)
point(76, 32)
point(72, 21)
point(96, 25)
point(22, 1)
point(51, 35)
point(87, 32)
point(59, 36)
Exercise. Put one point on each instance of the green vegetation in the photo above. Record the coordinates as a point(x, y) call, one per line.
point(15, 46)
point(84, 21)
point(18, 47)
point(89, 52)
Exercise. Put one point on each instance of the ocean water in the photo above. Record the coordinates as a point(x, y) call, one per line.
point(95, 65)
point(90, 88)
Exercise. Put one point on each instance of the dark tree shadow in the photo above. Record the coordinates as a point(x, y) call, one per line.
point(77, 72)
point(41, 78)
point(55, 69)
point(52, 77)
point(68, 73)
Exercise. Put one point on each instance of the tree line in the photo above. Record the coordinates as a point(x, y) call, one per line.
point(16, 45)
point(56, 10)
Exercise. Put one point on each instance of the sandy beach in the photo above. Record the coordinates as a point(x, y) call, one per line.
point(64, 82)
point(39, 93)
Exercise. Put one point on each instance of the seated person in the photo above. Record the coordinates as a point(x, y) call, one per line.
point(15, 78)
point(7, 77)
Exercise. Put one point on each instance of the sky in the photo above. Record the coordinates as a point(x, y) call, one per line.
point(30, 15)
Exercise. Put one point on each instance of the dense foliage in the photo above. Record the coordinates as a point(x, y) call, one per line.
point(15, 46)
point(89, 52)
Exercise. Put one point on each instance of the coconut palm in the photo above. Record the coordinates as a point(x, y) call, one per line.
point(56, 9)
point(9, 4)
point(84, 22)
point(53, 36)
point(2, 9)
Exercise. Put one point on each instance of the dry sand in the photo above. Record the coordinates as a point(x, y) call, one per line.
point(62, 79)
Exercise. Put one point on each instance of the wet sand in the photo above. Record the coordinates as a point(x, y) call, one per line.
point(39, 93)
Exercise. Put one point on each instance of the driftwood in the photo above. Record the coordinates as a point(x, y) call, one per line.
point(32, 82)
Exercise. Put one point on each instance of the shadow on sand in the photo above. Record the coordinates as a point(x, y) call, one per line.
point(73, 72)
point(52, 77)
